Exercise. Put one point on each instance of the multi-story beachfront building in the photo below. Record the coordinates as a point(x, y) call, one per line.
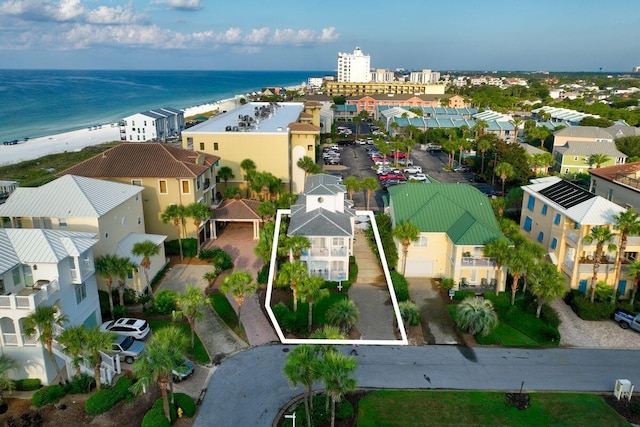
point(354, 67)
point(154, 125)
point(382, 75)
point(112, 211)
point(371, 103)
point(44, 268)
point(559, 215)
point(424, 76)
point(371, 88)
point(274, 135)
point(166, 176)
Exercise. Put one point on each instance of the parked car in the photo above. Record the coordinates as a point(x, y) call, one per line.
point(627, 320)
point(419, 177)
point(432, 148)
point(381, 162)
point(405, 162)
point(346, 142)
point(390, 176)
point(338, 175)
point(383, 170)
point(127, 348)
point(413, 169)
point(361, 141)
point(183, 371)
point(462, 168)
point(333, 161)
point(127, 327)
point(391, 182)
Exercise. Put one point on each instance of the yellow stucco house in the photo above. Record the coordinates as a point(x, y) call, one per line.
point(167, 175)
point(559, 215)
point(274, 135)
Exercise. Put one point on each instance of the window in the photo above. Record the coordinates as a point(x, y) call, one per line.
point(338, 241)
point(162, 186)
point(215, 146)
point(197, 183)
point(62, 222)
point(309, 147)
point(106, 235)
point(136, 182)
point(610, 194)
point(540, 236)
point(17, 278)
point(527, 224)
point(81, 292)
point(2, 285)
point(531, 203)
point(184, 184)
point(145, 122)
point(189, 143)
point(421, 242)
point(28, 275)
point(139, 220)
point(554, 243)
point(202, 146)
point(544, 209)
point(556, 220)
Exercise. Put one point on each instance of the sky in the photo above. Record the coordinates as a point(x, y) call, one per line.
point(503, 35)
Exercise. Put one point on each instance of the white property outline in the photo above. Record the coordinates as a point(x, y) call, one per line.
point(385, 268)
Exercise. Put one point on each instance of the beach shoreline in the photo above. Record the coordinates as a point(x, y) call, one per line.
point(76, 140)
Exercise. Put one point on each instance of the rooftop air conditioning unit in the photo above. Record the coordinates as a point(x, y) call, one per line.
point(235, 128)
point(228, 128)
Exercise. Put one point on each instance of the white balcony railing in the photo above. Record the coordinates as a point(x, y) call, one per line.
point(30, 297)
point(478, 261)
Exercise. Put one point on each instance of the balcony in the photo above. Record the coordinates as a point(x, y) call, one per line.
point(627, 180)
point(207, 184)
point(477, 261)
point(573, 236)
point(30, 297)
point(86, 268)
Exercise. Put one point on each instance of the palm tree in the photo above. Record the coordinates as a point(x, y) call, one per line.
point(199, 212)
point(121, 268)
point(627, 223)
point(409, 143)
point(547, 283)
point(535, 256)
point(450, 147)
point(479, 128)
point(295, 245)
point(146, 249)
point(344, 314)
point(517, 262)
point(104, 266)
point(210, 277)
point(369, 184)
point(190, 305)
point(7, 363)
point(291, 275)
point(539, 133)
point(397, 147)
point(516, 122)
point(406, 232)
point(505, 171)
point(225, 173)
point(303, 367)
point(476, 316)
point(249, 168)
point(483, 145)
point(383, 148)
point(328, 332)
point(600, 235)
point(634, 271)
point(239, 284)
point(499, 250)
point(42, 323)
point(162, 354)
point(175, 214)
point(336, 373)
point(597, 160)
point(309, 167)
point(499, 204)
point(352, 184)
point(96, 342)
point(311, 291)
point(266, 209)
point(73, 341)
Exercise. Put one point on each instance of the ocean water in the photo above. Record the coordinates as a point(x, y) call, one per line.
point(36, 103)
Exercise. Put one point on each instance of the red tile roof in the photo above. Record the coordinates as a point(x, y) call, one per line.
point(303, 127)
point(144, 160)
point(237, 209)
point(610, 172)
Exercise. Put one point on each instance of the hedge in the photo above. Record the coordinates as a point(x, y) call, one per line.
point(106, 398)
point(48, 394)
point(189, 247)
point(263, 275)
point(291, 321)
point(155, 418)
point(173, 412)
point(400, 286)
point(165, 301)
point(462, 295)
point(587, 310)
point(28, 384)
point(185, 402)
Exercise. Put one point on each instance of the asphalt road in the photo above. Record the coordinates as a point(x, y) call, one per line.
point(249, 388)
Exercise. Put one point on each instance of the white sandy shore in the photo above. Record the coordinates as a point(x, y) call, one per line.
point(78, 139)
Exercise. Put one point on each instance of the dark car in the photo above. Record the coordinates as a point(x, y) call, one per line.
point(391, 182)
point(346, 142)
point(476, 178)
point(183, 371)
point(333, 161)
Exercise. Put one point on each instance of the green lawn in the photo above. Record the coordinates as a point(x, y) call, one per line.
point(198, 353)
point(223, 307)
point(448, 408)
point(503, 334)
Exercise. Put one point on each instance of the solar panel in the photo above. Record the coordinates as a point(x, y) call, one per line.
point(566, 194)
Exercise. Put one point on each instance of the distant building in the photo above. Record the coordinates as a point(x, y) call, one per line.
point(619, 184)
point(636, 69)
point(373, 88)
point(371, 103)
point(314, 82)
point(153, 125)
point(573, 157)
point(354, 67)
point(424, 77)
point(382, 75)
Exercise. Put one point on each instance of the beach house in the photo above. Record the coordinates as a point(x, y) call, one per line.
point(112, 211)
point(456, 222)
point(165, 175)
point(619, 183)
point(40, 267)
point(559, 215)
point(273, 135)
point(153, 125)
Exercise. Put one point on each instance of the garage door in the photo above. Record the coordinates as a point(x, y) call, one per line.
point(417, 267)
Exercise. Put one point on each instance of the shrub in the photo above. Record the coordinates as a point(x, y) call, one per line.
point(295, 322)
point(344, 410)
point(206, 254)
point(185, 402)
point(400, 286)
point(189, 247)
point(155, 418)
point(550, 333)
point(106, 398)
point(587, 310)
point(173, 412)
point(383, 222)
point(462, 295)
point(447, 283)
point(165, 301)
point(550, 316)
point(79, 385)
point(409, 313)
point(353, 269)
point(156, 279)
point(119, 311)
point(569, 296)
point(28, 384)
point(104, 302)
point(263, 275)
point(48, 394)
point(221, 260)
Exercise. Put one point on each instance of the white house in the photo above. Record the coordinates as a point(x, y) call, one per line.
point(153, 125)
point(323, 215)
point(44, 267)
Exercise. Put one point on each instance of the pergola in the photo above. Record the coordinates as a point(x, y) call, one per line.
point(237, 210)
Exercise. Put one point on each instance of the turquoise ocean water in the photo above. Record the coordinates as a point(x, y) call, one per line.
point(36, 103)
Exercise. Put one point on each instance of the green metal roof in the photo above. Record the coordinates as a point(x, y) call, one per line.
point(459, 210)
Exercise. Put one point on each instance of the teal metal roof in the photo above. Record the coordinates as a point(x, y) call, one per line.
point(459, 210)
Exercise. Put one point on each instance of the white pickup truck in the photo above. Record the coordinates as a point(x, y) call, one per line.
point(627, 320)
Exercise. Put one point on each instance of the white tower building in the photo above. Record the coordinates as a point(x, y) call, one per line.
point(354, 67)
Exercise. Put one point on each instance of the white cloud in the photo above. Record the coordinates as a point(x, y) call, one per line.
point(39, 10)
point(114, 15)
point(186, 5)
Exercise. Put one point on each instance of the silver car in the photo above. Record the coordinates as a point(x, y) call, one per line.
point(127, 348)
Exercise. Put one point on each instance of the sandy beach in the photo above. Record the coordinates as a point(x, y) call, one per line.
point(78, 139)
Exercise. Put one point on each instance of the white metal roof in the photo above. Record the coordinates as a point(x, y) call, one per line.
point(32, 245)
point(69, 196)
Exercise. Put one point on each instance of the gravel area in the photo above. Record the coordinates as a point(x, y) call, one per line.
point(576, 332)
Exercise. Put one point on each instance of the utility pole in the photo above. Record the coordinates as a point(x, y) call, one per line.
point(493, 170)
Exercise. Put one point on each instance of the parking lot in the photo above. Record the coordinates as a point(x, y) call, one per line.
point(353, 160)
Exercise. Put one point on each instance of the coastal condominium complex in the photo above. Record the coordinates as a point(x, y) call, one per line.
point(354, 67)
point(153, 125)
point(424, 77)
